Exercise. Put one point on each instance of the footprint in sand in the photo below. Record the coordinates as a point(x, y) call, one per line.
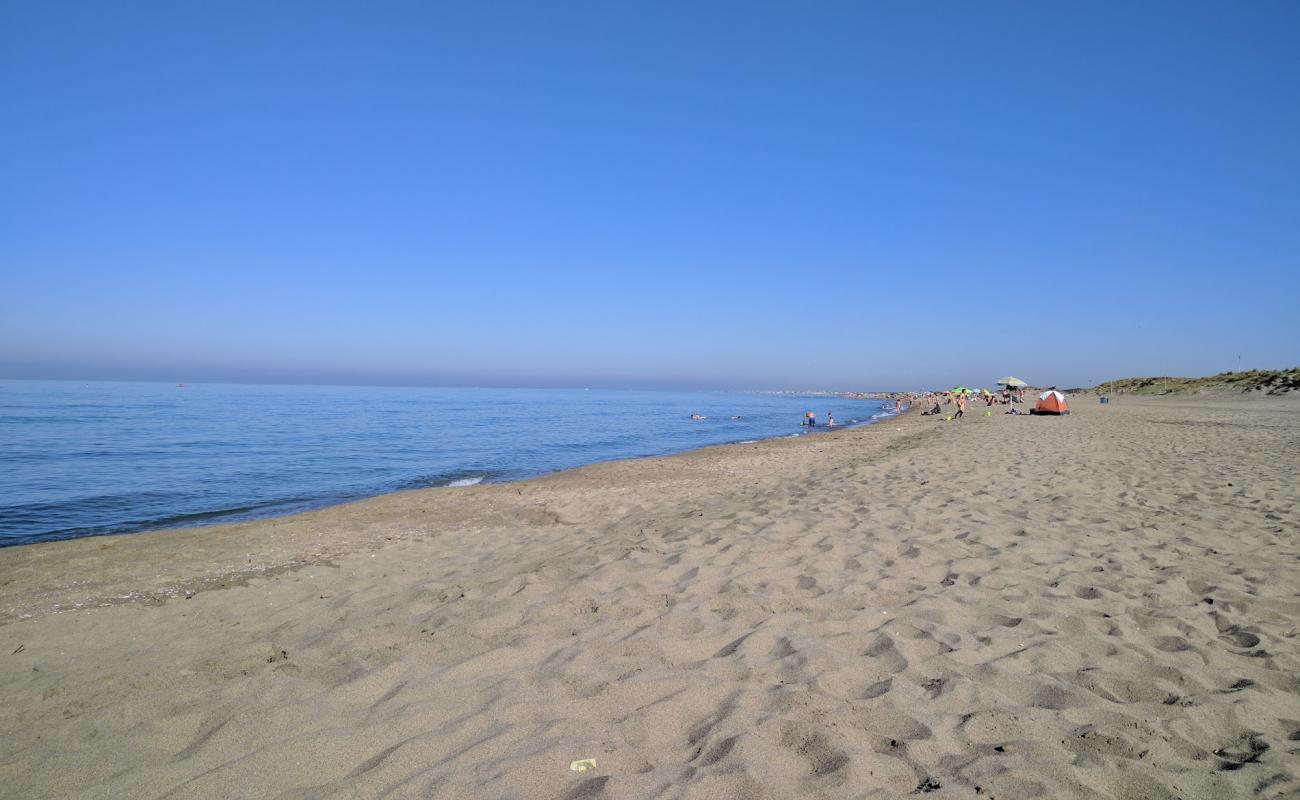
point(883, 650)
point(824, 758)
point(1242, 639)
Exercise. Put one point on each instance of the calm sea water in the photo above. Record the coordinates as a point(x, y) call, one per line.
point(84, 459)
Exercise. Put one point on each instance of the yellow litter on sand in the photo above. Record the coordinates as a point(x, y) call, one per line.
point(583, 765)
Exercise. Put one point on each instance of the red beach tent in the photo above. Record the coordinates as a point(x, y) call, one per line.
point(1052, 402)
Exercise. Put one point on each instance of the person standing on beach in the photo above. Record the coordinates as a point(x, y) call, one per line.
point(961, 405)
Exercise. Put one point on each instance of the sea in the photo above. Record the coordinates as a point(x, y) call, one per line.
point(85, 459)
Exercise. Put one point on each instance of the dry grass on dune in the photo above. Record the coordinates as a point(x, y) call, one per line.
point(1263, 381)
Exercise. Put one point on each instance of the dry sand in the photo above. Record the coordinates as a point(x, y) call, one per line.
point(1101, 606)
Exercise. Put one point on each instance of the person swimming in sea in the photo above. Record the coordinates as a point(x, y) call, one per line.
point(830, 420)
point(697, 416)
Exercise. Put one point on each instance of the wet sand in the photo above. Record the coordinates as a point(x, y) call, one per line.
point(1100, 606)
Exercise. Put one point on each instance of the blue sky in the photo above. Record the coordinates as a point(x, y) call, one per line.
point(840, 195)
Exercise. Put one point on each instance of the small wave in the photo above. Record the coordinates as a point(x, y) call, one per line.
point(455, 477)
point(747, 441)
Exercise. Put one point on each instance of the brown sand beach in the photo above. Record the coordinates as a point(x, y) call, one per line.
point(1105, 605)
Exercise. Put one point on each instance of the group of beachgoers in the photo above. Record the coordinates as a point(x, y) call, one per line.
point(962, 399)
point(901, 404)
point(810, 419)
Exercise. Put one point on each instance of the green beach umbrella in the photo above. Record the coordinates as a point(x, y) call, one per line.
point(1012, 381)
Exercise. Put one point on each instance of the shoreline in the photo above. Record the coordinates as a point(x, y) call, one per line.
point(264, 558)
point(878, 611)
point(249, 509)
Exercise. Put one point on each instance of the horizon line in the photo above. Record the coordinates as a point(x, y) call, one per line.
point(575, 387)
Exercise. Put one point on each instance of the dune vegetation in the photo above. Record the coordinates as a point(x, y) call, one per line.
point(1265, 381)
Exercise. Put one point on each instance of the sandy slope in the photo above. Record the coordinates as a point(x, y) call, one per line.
point(1104, 606)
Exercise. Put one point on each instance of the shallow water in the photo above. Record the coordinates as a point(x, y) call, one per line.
point(79, 459)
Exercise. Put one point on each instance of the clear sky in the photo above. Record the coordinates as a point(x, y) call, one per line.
point(704, 194)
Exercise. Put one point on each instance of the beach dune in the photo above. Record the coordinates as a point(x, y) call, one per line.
point(1104, 605)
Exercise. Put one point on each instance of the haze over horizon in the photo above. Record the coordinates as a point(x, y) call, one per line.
point(503, 194)
point(632, 385)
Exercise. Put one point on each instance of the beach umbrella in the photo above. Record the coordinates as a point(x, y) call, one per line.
point(1012, 381)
